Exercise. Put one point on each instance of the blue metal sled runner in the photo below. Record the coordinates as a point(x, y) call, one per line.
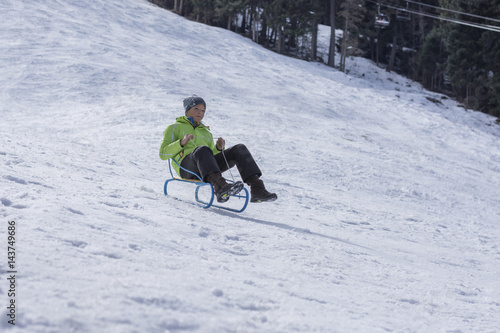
point(199, 183)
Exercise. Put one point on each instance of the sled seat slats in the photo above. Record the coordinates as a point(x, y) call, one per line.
point(189, 180)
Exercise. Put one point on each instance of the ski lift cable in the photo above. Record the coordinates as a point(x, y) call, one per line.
point(475, 25)
point(435, 7)
point(471, 24)
point(454, 11)
point(449, 19)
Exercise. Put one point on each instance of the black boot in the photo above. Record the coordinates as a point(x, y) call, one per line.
point(258, 191)
point(222, 189)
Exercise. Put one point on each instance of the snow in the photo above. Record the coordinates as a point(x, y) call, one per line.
point(388, 211)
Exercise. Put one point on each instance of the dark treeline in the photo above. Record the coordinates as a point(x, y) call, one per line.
point(406, 37)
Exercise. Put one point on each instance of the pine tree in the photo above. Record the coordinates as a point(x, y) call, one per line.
point(491, 56)
point(474, 56)
point(205, 9)
point(353, 13)
point(432, 60)
point(228, 9)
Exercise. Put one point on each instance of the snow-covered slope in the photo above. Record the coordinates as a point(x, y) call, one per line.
point(388, 212)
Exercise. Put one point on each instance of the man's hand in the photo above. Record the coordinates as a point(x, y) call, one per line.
point(221, 143)
point(186, 139)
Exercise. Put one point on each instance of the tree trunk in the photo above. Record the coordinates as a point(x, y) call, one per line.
point(331, 52)
point(378, 44)
point(314, 32)
point(263, 33)
point(314, 39)
point(343, 53)
point(280, 40)
point(393, 51)
point(421, 24)
point(243, 22)
point(255, 26)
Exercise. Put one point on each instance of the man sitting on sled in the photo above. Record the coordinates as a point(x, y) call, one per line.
point(189, 142)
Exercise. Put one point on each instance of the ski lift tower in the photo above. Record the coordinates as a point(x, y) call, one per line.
point(381, 21)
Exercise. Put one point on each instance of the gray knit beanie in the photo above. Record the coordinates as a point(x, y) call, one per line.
point(191, 101)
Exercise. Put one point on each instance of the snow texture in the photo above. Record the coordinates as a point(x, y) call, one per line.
point(388, 212)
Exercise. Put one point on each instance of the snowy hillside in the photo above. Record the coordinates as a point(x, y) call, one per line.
point(388, 212)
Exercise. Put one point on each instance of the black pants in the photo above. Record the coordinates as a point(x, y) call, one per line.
point(203, 162)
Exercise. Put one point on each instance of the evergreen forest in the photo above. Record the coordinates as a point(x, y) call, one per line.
point(449, 46)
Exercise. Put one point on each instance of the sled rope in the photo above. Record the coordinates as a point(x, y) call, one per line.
point(225, 159)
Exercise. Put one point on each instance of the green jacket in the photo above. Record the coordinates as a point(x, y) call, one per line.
point(173, 134)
